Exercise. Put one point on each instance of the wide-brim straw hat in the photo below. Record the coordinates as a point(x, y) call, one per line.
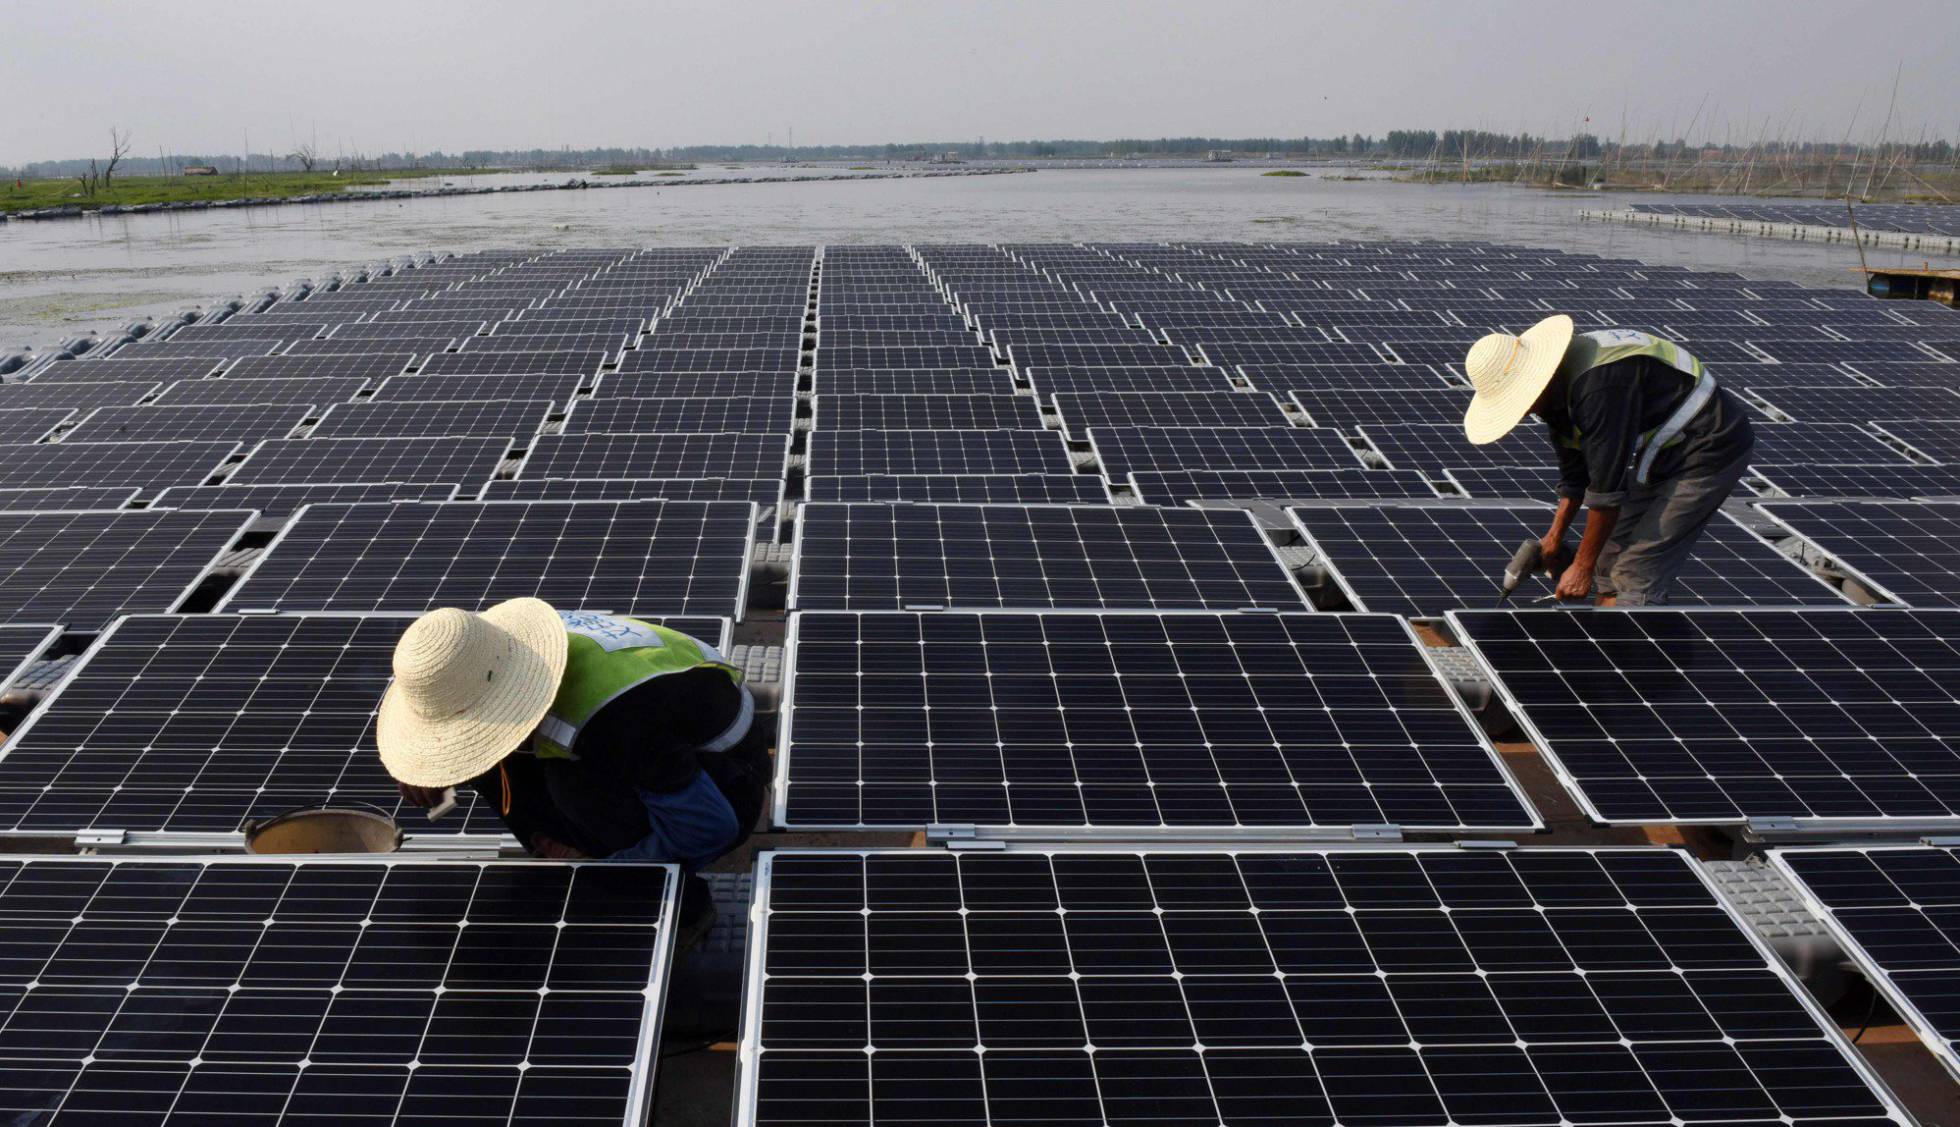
point(468, 690)
point(1510, 373)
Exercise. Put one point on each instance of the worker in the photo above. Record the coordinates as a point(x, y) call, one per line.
point(591, 735)
point(1646, 442)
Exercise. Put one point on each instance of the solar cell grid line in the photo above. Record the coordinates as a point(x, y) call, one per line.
point(1049, 381)
point(1179, 487)
point(231, 422)
point(691, 385)
point(1125, 450)
point(714, 360)
point(1233, 354)
point(275, 501)
point(536, 321)
point(142, 465)
point(1822, 444)
point(1348, 408)
point(673, 339)
point(926, 412)
point(80, 396)
point(1539, 482)
point(1283, 379)
point(1858, 405)
point(857, 452)
point(1907, 375)
point(698, 414)
point(1892, 909)
point(1024, 357)
point(875, 556)
point(128, 371)
point(1796, 350)
point(31, 424)
point(767, 493)
point(84, 569)
point(1224, 408)
point(384, 330)
point(1658, 715)
point(622, 557)
point(548, 361)
point(610, 346)
point(994, 381)
point(420, 346)
point(904, 359)
point(1113, 723)
point(1433, 447)
point(1248, 984)
point(997, 489)
point(657, 456)
point(1899, 482)
point(267, 393)
point(1906, 552)
point(68, 497)
point(1425, 560)
point(411, 418)
point(1931, 433)
point(367, 366)
point(298, 461)
point(261, 990)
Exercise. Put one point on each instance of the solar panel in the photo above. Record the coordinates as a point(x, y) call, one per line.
point(419, 346)
point(1124, 450)
point(83, 569)
point(1893, 909)
point(610, 344)
point(1116, 723)
point(1233, 354)
point(1807, 719)
point(69, 497)
point(1433, 447)
point(1224, 408)
point(318, 391)
point(1850, 404)
point(1177, 487)
point(858, 452)
point(1902, 551)
point(583, 363)
point(926, 412)
point(80, 396)
point(21, 646)
point(621, 557)
point(1821, 350)
point(1506, 481)
point(200, 723)
point(1285, 378)
point(657, 455)
point(284, 500)
point(717, 360)
point(1424, 560)
point(691, 385)
point(557, 389)
point(696, 415)
point(1864, 481)
point(30, 424)
point(262, 990)
point(245, 422)
point(997, 489)
point(1024, 357)
point(1821, 444)
point(871, 556)
point(1227, 984)
point(165, 368)
point(765, 492)
point(143, 465)
point(407, 418)
point(364, 366)
point(301, 461)
point(978, 382)
point(1185, 377)
point(1348, 408)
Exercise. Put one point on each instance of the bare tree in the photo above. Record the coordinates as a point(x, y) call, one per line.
point(306, 156)
point(118, 149)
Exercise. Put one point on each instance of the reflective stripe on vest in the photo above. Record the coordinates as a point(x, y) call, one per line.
point(1614, 345)
point(607, 655)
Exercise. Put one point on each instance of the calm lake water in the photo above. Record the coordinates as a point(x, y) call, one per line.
point(64, 277)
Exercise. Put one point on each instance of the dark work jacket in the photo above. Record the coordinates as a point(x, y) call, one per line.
point(1610, 407)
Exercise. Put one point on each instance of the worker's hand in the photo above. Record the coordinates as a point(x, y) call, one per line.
point(542, 846)
point(422, 798)
point(1551, 555)
point(1575, 583)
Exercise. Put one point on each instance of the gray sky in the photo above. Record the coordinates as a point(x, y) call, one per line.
point(456, 74)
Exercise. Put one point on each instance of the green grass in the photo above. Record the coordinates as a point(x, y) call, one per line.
point(1283, 172)
point(129, 191)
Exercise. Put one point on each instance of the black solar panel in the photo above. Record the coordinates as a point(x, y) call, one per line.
point(1176, 487)
point(767, 493)
point(513, 363)
point(1846, 404)
point(1805, 718)
point(1902, 551)
point(1232, 355)
point(299, 461)
point(1433, 447)
point(1027, 356)
point(1217, 984)
point(1082, 410)
point(691, 385)
point(610, 344)
point(1507, 481)
point(354, 990)
point(80, 396)
point(1348, 408)
point(620, 557)
point(1262, 723)
point(1124, 450)
point(30, 424)
point(1185, 377)
point(717, 360)
point(1821, 350)
point(318, 391)
point(697, 415)
point(144, 465)
point(923, 556)
point(1896, 911)
point(1311, 378)
point(482, 418)
point(555, 388)
point(368, 366)
point(83, 569)
point(284, 500)
point(853, 453)
point(1864, 481)
point(1424, 560)
point(167, 369)
point(926, 412)
point(22, 645)
point(658, 455)
point(72, 497)
point(235, 423)
point(1821, 444)
point(995, 489)
point(978, 382)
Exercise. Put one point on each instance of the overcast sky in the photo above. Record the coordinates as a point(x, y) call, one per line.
point(457, 74)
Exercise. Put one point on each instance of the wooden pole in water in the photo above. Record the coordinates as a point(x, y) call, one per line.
point(1857, 239)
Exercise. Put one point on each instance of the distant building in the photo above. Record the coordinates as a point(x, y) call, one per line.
point(200, 170)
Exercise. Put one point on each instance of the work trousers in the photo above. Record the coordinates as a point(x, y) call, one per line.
point(1656, 534)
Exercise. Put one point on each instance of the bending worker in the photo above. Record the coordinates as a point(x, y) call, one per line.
point(1645, 441)
point(591, 735)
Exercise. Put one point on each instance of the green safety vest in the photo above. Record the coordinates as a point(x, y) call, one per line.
point(607, 655)
point(1610, 346)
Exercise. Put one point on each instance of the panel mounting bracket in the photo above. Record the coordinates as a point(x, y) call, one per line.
point(1490, 843)
point(961, 837)
point(1384, 832)
point(1761, 826)
point(93, 838)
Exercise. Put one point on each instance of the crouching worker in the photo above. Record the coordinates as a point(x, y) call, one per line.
point(591, 735)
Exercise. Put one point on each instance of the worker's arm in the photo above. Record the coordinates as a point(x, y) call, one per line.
point(1551, 546)
point(1577, 582)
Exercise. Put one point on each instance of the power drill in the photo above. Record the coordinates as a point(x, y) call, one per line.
point(1527, 559)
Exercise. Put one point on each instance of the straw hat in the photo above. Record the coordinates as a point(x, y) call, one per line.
point(468, 690)
point(1510, 373)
